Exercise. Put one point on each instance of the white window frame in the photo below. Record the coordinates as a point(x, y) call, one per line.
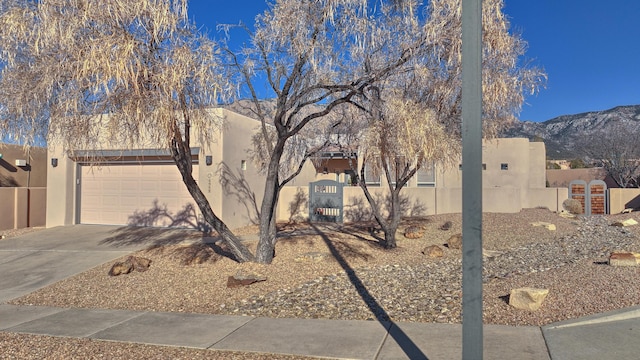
point(425, 171)
point(370, 180)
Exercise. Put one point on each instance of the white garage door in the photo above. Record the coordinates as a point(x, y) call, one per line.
point(143, 195)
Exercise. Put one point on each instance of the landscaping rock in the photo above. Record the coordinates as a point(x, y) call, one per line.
point(625, 223)
point(546, 225)
point(491, 253)
point(242, 278)
point(315, 256)
point(413, 232)
point(573, 206)
point(624, 259)
point(433, 251)
point(131, 263)
point(120, 268)
point(455, 242)
point(567, 215)
point(627, 210)
point(527, 298)
point(446, 226)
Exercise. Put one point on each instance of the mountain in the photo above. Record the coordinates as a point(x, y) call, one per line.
point(560, 134)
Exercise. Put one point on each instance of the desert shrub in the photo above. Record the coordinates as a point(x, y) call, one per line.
point(573, 206)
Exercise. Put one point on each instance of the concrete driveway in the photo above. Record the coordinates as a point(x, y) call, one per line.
point(34, 260)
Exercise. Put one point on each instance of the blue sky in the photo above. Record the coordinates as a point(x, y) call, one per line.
point(590, 49)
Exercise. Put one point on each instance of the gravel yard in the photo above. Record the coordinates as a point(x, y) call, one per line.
point(357, 279)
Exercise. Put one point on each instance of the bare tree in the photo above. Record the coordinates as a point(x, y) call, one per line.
point(316, 58)
point(412, 119)
point(91, 72)
point(617, 150)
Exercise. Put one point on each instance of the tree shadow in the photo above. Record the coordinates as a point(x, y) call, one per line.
point(401, 338)
point(8, 181)
point(183, 227)
point(236, 184)
point(159, 215)
point(193, 254)
point(297, 206)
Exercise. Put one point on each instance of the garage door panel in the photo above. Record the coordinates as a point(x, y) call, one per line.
point(130, 194)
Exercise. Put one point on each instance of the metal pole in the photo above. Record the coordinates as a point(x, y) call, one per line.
point(472, 334)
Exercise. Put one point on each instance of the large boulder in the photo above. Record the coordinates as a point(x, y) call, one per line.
point(574, 206)
point(131, 263)
point(527, 298)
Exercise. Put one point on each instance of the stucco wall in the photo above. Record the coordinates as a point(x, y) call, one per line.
point(22, 207)
point(427, 201)
point(620, 199)
point(34, 174)
point(239, 180)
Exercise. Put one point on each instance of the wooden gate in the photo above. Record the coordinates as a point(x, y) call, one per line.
point(592, 196)
point(325, 201)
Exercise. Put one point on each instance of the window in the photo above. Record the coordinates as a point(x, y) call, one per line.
point(243, 164)
point(504, 166)
point(484, 166)
point(427, 175)
point(371, 178)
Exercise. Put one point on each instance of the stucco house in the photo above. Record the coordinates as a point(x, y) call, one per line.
point(144, 187)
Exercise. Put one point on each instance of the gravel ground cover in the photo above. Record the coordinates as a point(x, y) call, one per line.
point(357, 279)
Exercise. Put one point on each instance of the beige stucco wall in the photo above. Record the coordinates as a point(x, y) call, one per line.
point(620, 199)
point(22, 207)
point(241, 198)
point(32, 175)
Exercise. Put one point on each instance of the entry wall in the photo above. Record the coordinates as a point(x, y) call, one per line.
point(22, 207)
point(428, 201)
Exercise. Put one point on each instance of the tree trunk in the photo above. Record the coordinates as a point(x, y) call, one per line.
point(182, 157)
point(393, 221)
point(267, 243)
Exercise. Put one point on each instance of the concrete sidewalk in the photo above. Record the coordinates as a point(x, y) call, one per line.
point(340, 339)
point(32, 261)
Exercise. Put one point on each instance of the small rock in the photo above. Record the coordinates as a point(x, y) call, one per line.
point(455, 242)
point(446, 226)
point(433, 251)
point(567, 215)
point(314, 256)
point(527, 298)
point(546, 225)
point(413, 232)
point(624, 223)
point(624, 259)
point(491, 253)
point(242, 278)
